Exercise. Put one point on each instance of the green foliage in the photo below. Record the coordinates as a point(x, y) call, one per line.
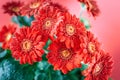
point(1, 49)
point(45, 72)
point(2, 53)
point(86, 23)
point(83, 6)
point(23, 20)
point(12, 70)
point(84, 66)
point(74, 75)
point(47, 44)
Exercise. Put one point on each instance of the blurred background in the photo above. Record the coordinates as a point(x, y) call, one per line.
point(106, 27)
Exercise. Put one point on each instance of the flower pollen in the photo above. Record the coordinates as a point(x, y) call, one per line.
point(65, 54)
point(15, 9)
point(26, 45)
point(70, 30)
point(47, 24)
point(91, 47)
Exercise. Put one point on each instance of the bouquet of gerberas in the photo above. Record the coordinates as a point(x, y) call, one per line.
point(51, 44)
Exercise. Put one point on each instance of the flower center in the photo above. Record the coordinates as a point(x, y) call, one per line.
point(70, 30)
point(8, 37)
point(48, 23)
point(91, 47)
point(65, 54)
point(98, 69)
point(15, 9)
point(26, 45)
point(34, 5)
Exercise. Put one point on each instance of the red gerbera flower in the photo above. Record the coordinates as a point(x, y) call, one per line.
point(33, 7)
point(101, 70)
point(92, 7)
point(6, 34)
point(91, 47)
point(47, 20)
point(62, 58)
point(27, 46)
point(70, 29)
point(13, 8)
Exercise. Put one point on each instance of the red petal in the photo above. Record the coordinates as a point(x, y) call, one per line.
point(69, 66)
point(67, 43)
point(40, 45)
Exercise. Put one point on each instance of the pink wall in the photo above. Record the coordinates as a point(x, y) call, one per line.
point(106, 27)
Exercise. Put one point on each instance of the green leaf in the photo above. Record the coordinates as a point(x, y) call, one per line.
point(47, 44)
point(1, 49)
point(43, 65)
point(86, 23)
point(44, 57)
point(28, 20)
point(83, 5)
point(74, 75)
point(40, 76)
point(84, 66)
point(3, 53)
point(15, 20)
point(23, 20)
point(45, 72)
point(12, 70)
point(8, 51)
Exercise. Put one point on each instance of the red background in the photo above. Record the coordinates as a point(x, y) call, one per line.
point(106, 27)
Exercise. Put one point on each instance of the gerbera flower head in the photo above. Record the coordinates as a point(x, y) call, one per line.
point(13, 8)
point(62, 58)
point(47, 21)
point(27, 45)
point(6, 34)
point(101, 69)
point(91, 47)
point(33, 7)
point(69, 29)
point(92, 7)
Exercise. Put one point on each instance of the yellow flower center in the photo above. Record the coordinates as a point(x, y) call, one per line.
point(65, 54)
point(35, 5)
point(47, 23)
point(26, 45)
point(91, 47)
point(70, 30)
point(8, 37)
point(15, 9)
point(98, 69)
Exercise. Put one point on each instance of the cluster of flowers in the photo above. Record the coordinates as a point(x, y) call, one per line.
point(71, 44)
